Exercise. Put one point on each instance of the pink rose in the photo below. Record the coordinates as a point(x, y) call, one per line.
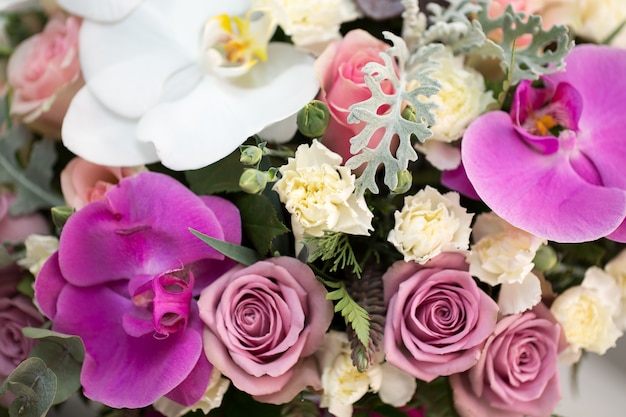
point(16, 229)
point(16, 312)
point(342, 85)
point(83, 182)
point(517, 373)
point(44, 72)
point(437, 317)
point(262, 324)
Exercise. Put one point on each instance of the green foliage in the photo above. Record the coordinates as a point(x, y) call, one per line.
point(543, 55)
point(34, 385)
point(219, 177)
point(63, 354)
point(413, 68)
point(334, 246)
point(300, 407)
point(239, 404)
point(31, 180)
point(436, 398)
point(354, 315)
point(259, 219)
point(241, 254)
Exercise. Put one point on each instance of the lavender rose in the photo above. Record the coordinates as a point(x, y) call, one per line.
point(16, 312)
point(437, 317)
point(517, 373)
point(262, 322)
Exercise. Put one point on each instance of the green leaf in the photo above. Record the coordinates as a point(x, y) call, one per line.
point(63, 354)
point(334, 246)
point(415, 68)
point(219, 177)
point(436, 398)
point(35, 385)
point(32, 184)
point(352, 312)
point(259, 220)
point(241, 254)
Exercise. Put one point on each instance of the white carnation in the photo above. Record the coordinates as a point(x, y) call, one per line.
point(38, 249)
point(430, 223)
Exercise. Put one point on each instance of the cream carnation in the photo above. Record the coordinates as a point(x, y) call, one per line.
point(617, 270)
point(503, 254)
point(38, 249)
point(587, 321)
point(312, 24)
point(342, 382)
point(462, 97)
point(319, 194)
point(430, 223)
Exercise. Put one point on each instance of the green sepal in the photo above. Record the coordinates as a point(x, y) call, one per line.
point(60, 215)
point(63, 354)
point(241, 254)
point(34, 384)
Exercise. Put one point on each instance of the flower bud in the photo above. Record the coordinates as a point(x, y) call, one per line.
point(251, 155)
point(408, 113)
point(60, 214)
point(545, 258)
point(405, 180)
point(253, 181)
point(313, 119)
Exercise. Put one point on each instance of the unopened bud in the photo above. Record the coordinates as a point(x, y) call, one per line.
point(251, 155)
point(405, 180)
point(545, 258)
point(313, 119)
point(60, 214)
point(409, 113)
point(253, 181)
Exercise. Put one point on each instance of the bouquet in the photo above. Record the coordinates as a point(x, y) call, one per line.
point(307, 208)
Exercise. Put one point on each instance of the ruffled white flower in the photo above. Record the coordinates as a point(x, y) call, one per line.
point(616, 268)
point(430, 223)
point(212, 398)
point(311, 24)
point(586, 313)
point(184, 82)
point(343, 384)
point(503, 255)
point(319, 194)
point(38, 249)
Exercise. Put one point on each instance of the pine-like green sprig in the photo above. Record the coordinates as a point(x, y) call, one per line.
point(334, 246)
point(368, 293)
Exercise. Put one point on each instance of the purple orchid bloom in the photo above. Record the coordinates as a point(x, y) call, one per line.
point(124, 280)
point(554, 166)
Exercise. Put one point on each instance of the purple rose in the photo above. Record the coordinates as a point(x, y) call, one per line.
point(124, 279)
point(261, 321)
point(437, 317)
point(517, 373)
point(16, 312)
point(17, 228)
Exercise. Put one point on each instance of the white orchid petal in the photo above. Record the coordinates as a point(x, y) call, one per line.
point(183, 134)
point(100, 10)
point(517, 297)
point(96, 134)
point(282, 131)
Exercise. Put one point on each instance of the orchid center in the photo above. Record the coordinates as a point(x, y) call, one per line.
point(233, 45)
point(163, 305)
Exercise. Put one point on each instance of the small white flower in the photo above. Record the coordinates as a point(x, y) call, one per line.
point(342, 383)
point(616, 268)
point(319, 194)
point(311, 24)
point(587, 321)
point(212, 398)
point(503, 254)
point(430, 223)
point(38, 249)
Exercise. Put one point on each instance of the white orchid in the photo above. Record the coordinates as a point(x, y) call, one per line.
point(182, 82)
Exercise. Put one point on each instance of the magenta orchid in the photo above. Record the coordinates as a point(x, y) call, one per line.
point(124, 279)
point(554, 165)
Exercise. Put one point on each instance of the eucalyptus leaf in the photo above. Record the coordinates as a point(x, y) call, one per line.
point(35, 385)
point(63, 354)
point(241, 254)
point(32, 183)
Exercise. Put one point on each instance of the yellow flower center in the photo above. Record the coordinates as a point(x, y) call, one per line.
point(233, 44)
